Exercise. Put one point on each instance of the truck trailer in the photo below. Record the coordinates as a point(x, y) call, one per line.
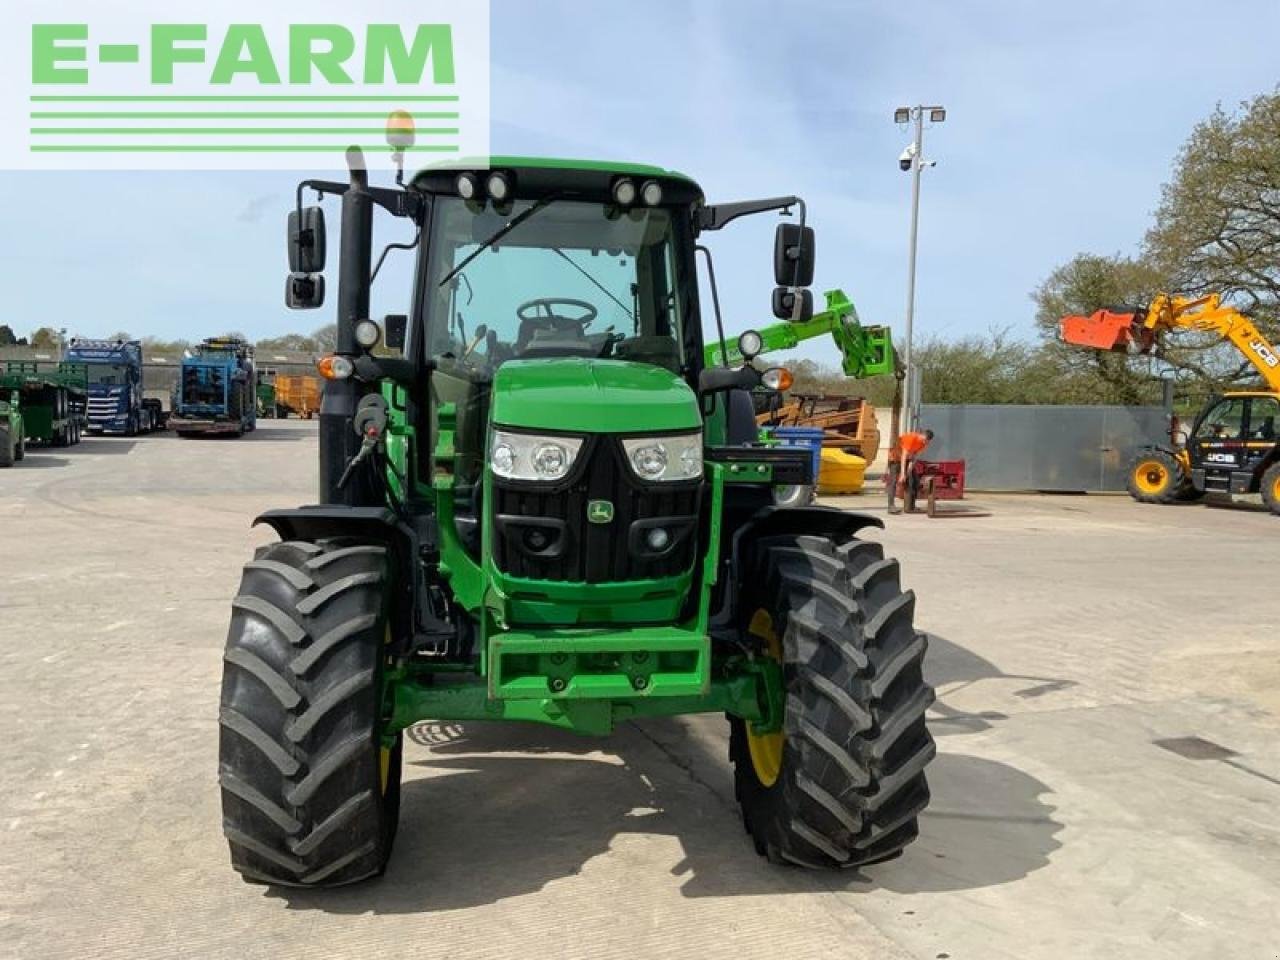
point(52, 401)
point(216, 391)
point(115, 400)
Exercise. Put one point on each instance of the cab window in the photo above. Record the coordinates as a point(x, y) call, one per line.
point(1264, 418)
point(1224, 422)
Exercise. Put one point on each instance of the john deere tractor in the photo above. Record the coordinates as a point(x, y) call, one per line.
point(538, 502)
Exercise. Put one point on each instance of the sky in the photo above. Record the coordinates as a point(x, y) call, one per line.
point(1063, 122)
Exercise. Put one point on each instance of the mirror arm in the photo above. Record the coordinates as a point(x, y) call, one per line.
point(398, 203)
point(720, 215)
point(797, 315)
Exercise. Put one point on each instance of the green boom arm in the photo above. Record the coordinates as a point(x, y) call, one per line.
point(864, 351)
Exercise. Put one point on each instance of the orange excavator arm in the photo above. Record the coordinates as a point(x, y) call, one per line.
point(1136, 330)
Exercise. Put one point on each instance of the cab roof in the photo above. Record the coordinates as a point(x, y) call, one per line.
point(559, 163)
point(544, 175)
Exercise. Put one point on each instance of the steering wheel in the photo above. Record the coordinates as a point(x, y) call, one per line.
point(544, 314)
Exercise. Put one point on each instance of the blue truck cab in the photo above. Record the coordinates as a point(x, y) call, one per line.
point(115, 402)
point(217, 389)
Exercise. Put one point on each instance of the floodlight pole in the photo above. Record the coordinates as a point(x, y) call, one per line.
point(917, 165)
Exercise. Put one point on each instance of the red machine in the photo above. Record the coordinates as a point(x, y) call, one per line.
point(948, 477)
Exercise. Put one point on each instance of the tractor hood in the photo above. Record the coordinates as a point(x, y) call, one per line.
point(576, 395)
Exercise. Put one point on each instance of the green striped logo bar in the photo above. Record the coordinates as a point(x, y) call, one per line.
point(238, 92)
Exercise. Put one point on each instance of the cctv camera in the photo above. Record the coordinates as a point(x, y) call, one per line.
point(905, 158)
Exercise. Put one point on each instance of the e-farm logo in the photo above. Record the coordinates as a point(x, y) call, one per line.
point(138, 91)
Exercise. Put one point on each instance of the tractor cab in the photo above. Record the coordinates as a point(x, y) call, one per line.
point(1234, 441)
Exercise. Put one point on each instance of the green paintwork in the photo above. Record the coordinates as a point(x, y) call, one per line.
point(864, 351)
point(576, 395)
point(413, 702)
point(558, 163)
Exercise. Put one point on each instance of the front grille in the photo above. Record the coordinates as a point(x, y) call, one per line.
point(104, 408)
point(593, 552)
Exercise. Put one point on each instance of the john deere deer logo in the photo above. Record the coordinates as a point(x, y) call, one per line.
point(600, 511)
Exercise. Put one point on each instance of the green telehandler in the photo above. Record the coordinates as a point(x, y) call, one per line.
point(539, 502)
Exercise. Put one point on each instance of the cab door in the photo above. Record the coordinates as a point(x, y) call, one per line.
point(1261, 437)
point(1217, 444)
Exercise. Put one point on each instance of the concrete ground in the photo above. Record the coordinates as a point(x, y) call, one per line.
point(1107, 782)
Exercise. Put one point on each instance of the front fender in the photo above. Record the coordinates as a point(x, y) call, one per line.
point(838, 526)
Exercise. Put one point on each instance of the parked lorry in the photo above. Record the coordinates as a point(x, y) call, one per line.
point(115, 397)
point(557, 516)
point(52, 401)
point(297, 394)
point(13, 445)
point(217, 390)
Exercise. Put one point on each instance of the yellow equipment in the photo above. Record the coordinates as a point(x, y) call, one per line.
point(1234, 446)
point(841, 472)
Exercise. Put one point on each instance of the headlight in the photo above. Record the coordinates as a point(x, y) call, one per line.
point(367, 334)
point(750, 344)
point(663, 459)
point(523, 456)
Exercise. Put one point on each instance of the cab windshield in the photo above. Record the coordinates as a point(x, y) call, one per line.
point(571, 279)
point(108, 374)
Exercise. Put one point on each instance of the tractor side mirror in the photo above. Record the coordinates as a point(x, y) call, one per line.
point(784, 304)
point(304, 291)
point(793, 251)
point(306, 240)
point(394, 328)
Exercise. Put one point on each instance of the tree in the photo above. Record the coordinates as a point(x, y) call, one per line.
point(8, 338)
point(326, 338)
point(1217, 229)
point(290, 342)
point(45, 338)
point(154, 345)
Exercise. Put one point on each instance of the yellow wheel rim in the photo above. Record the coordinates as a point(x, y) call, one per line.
point(1275, 491)
point(1151, 476)
point(766, 748)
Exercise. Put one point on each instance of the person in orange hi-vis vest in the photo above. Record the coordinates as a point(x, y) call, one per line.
point(910, 446)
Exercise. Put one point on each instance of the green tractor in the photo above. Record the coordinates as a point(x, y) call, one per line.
point(539, 502)
point(13, 437)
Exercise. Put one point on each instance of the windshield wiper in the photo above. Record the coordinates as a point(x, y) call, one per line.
point(499, 234)
point(586, 273)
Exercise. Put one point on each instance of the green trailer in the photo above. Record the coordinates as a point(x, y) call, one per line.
point(53, 402)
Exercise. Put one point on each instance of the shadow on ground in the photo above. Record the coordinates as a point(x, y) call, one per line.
point(276, 434)
point(504, 810)
point(38, 460)
point(110, 446)
point(950, 668)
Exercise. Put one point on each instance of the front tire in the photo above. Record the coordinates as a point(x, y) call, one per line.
point(310, 784)
point(1156, 477)
point(1271, 488)
point(843, 782)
